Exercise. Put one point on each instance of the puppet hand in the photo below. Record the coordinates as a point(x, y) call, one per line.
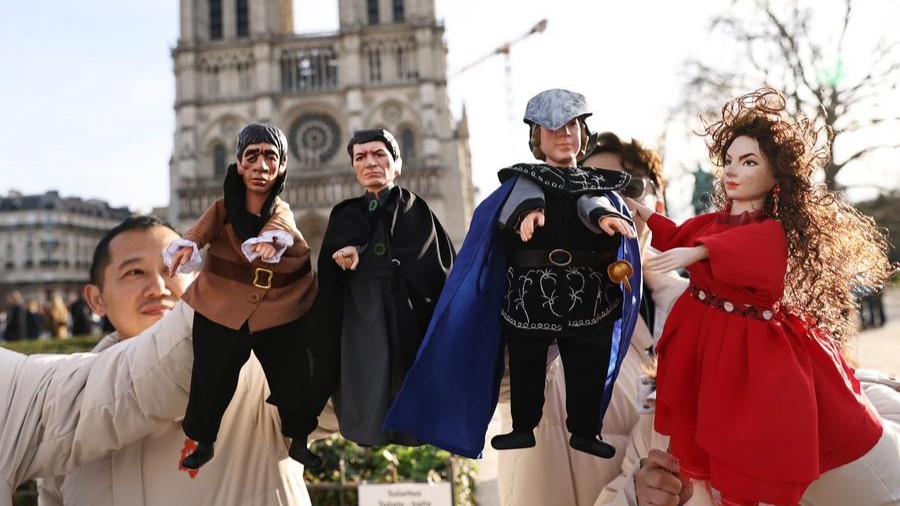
point(529, 222)
point(638, 209)
point(659, 481)
point(181, 256)
point(676, 258)
point(265, 249)
point(613, 225)
point(347, 257)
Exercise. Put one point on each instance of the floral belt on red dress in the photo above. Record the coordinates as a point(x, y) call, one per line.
point(748, 310)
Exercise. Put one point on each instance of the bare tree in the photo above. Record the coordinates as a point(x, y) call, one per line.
point(801, 51)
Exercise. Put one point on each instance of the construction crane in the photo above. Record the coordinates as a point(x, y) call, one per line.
point(504, 49)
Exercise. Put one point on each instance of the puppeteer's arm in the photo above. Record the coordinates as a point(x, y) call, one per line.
point(62, 411)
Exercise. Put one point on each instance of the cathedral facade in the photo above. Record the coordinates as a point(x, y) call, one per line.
point(239, 61)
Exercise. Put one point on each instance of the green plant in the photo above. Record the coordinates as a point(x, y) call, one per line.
point(347, 465)
point(73, 345)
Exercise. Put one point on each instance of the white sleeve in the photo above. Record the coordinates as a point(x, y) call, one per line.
point(192, 264)
point(279, 238)
point(61, 411)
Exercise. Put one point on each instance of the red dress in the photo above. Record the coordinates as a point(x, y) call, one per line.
point(754, 399)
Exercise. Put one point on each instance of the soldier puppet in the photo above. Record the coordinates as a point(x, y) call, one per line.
point(254, 287)
point(550, 256)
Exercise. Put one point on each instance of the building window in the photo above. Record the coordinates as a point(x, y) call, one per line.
point(245, 77)
point(314, 139)
point(373, 56)
point(220, 164)
point(407, 144)
point(215, 19)
point(309, 69)
point(243, 18)
point(399, 14)
point(214, 86)
point(372, 9)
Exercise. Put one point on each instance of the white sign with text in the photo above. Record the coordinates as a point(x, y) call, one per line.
point(405, 494)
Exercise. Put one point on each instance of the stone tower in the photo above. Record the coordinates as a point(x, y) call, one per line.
point(239, 61)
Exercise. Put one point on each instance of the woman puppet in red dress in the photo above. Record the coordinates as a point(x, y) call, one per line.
point(752, 387)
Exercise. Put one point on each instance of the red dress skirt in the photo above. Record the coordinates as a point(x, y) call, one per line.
point(754, 399)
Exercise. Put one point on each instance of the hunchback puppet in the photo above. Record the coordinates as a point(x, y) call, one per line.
point(384, 260)
point(550, 256)
point(250, 295)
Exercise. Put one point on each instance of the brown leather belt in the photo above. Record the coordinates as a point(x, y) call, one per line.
point(260, 277)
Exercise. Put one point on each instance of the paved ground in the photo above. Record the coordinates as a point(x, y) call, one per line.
point(880, 348)
point(874, 349)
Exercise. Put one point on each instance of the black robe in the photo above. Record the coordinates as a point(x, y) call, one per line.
point(371, 321)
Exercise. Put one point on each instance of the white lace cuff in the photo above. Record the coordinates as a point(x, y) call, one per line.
point(279, 238)
point(192, 264)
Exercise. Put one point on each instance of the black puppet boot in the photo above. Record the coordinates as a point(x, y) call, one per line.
point(301, 454)
point(201, 455)
point(513, 440)
point(593, 445)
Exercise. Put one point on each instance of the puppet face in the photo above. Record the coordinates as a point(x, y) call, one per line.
point(375, 168)
point(137, 290)
point(561, 146)
point(259, 166)
point(748, 175)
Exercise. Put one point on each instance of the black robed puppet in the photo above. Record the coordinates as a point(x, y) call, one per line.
point(384, 260)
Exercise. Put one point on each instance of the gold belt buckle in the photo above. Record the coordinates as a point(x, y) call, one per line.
point(269, 275)
point(560, 251)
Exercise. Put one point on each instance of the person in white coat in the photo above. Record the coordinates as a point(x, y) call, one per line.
point(60, 411)
point(130, 286)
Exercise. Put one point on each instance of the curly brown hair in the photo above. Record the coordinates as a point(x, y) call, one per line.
point(832, 247)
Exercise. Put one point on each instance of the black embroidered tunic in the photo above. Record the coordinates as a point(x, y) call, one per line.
point(566, 293)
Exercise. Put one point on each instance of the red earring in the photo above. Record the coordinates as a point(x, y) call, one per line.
point(776, 191)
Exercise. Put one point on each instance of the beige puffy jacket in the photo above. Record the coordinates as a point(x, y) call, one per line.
point(60, 411)
point(251, 465)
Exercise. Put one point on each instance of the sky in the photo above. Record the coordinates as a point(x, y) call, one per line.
point(87, 86)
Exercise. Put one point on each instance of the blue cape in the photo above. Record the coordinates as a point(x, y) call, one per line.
point(449, 394)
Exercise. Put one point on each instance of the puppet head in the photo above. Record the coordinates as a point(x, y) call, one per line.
point(245, 224)
point(788, 146)
point(256, 133)
point(376, 160)
point(375, 134)
point(553, 111)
